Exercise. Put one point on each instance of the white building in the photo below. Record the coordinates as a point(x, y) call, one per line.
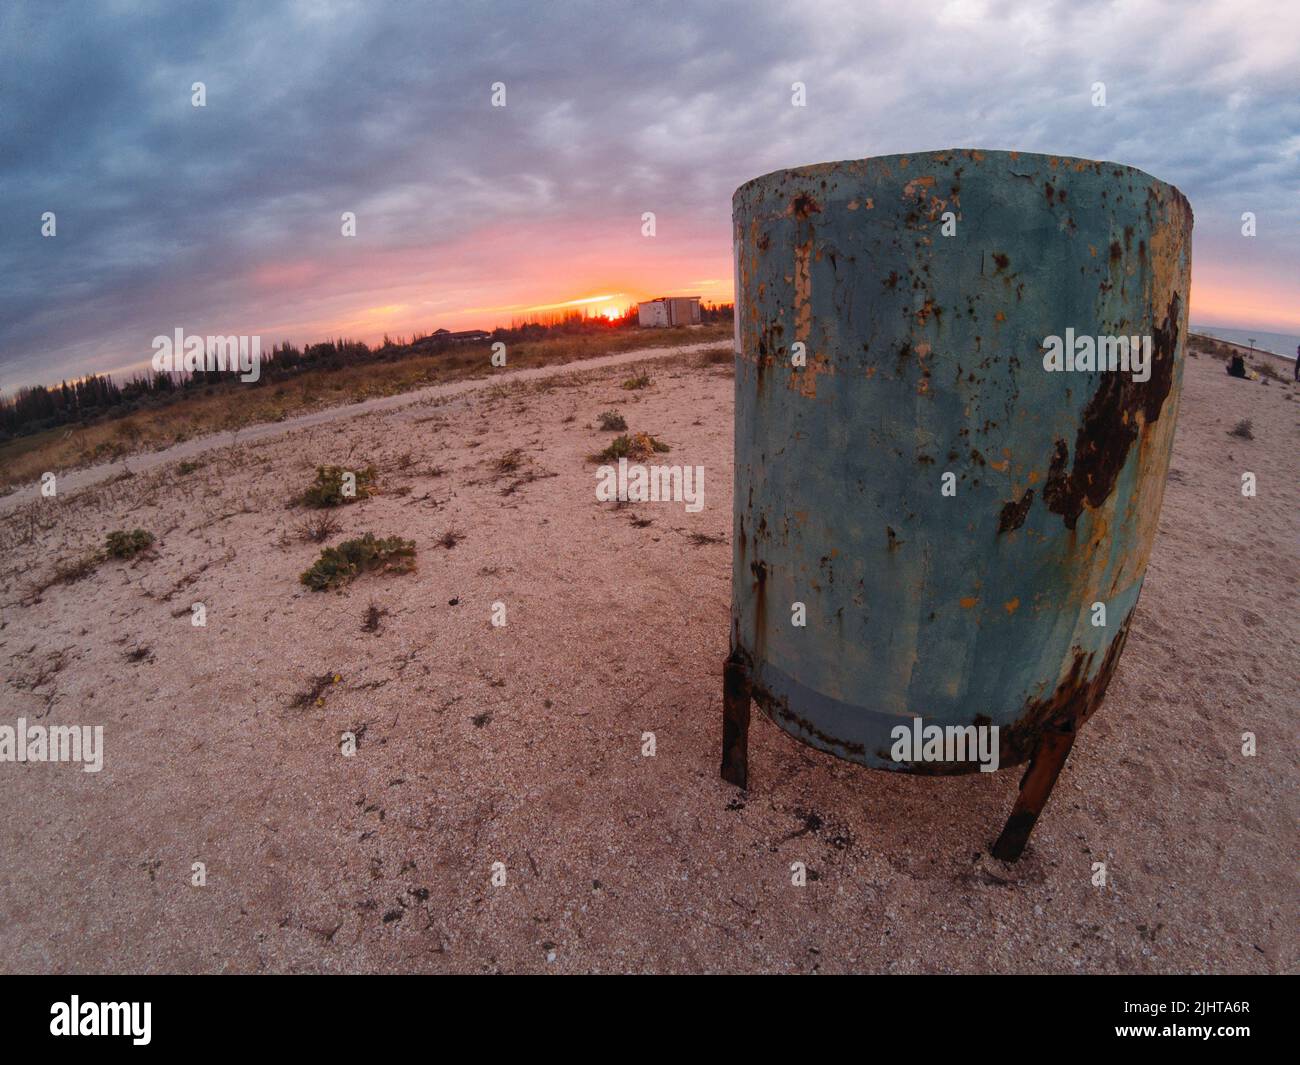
point(669, 310)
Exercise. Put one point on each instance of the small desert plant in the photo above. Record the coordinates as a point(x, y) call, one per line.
point(328, 490)
point(315, 694)
point(612, 421)
point(318, 528)
point(641, 380)
point(188, 467)
point(637, 447)
point(451, 538)
point(77, 569)
point(339, 565)
point(121, 544)
point(719, 356)
point(1266, 370)
point(509, 462)
point(371, 621)
point(516, 468)
point(1242, 430)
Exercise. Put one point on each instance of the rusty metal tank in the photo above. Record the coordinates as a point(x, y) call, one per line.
point(911, 466)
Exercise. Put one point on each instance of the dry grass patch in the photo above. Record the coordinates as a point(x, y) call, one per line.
point(118, 544)
point(318, 528)
point(635, 448)
point(641, 379)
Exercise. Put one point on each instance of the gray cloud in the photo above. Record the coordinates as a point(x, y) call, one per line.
point(166, 212)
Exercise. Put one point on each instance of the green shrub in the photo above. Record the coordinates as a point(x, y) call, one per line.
point(128, 544)
point(339, 565)
point(612, 421)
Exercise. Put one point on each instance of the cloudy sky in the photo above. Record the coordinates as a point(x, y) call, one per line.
point(226, 218)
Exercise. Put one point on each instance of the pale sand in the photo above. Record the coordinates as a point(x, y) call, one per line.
point(85, 476)
point(614, 861)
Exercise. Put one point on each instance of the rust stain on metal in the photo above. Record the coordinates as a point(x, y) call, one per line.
point(1109, 427)
point(804, 379)
point(918, 186)
point(804, 205)
point(1075, 699)
point(778, 708)
point(759, 569)
point(1014, 513)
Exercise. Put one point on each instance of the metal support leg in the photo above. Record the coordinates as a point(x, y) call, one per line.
point(735, 723)
point(1035, 787)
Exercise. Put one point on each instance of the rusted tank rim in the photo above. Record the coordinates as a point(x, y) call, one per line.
point(816, 172)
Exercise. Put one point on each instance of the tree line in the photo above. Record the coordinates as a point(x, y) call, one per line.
point(36, 408)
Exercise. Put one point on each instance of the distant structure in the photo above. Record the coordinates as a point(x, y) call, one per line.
point(463, 337)
point(669, 310)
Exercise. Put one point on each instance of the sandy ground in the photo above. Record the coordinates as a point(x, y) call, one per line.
point(522, 744)
point(85, 476)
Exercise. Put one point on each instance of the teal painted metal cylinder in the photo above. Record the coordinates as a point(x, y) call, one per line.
point(911, 466)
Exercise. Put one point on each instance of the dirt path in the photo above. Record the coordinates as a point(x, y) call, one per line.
point(141, 463)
